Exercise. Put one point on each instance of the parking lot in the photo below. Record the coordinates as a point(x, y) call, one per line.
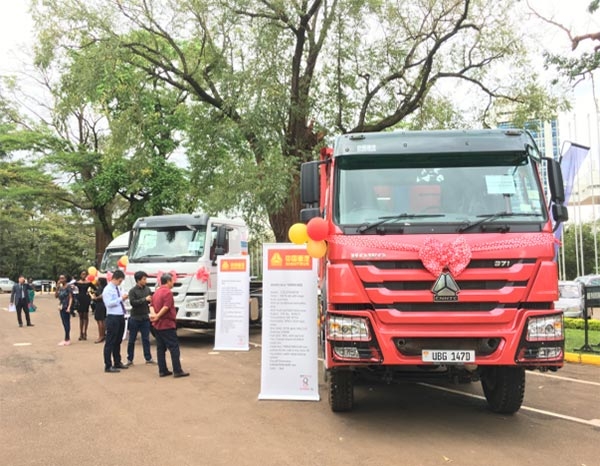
point(58, 407)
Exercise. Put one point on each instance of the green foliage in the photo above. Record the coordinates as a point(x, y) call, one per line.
point(579, 324)
point(571, 242)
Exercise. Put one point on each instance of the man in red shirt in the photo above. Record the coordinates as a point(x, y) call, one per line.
point(164, 322)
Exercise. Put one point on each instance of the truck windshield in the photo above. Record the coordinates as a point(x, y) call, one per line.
point(111, 258)
point(457, 188)
point(181, 243)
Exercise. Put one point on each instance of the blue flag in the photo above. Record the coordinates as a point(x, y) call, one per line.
point(570, 164)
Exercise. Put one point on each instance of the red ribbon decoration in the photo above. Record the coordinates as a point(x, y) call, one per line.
point(432, 253)
point(437, 256)
point(203, 275)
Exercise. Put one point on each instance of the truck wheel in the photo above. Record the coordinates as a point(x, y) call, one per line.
point(341, 390)
point(504, 388)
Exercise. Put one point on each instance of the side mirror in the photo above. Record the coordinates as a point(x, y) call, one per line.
point(555, 181)
point(310, 190)
point(560, 213)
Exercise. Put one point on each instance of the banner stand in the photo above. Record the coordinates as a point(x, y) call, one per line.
point(289, 360)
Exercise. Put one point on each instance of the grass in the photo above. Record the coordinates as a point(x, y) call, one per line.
point(575, 339)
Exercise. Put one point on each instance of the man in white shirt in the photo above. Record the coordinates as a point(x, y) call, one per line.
point(113, 299)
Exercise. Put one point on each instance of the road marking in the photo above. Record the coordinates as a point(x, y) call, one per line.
point(568, 379)
point(21, 344)
point(592, 422)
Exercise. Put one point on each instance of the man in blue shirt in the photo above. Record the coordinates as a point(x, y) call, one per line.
point(113, 299)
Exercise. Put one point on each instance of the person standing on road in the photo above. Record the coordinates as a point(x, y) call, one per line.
point(64, 293)
point(140, 298)
point(113, 299)
point(100, 309)
point(83, 286)
point(19, 297)
point(164, 322)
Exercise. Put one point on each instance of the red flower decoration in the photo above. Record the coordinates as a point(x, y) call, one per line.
point(437, 256)
point(203, 275)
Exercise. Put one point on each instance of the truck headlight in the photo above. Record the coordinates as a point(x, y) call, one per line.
point(348, 328)
point(196, 303)
point(545, 328)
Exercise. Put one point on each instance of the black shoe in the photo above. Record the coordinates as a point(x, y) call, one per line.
point(111, 369)
point(20, 325)
point(30, 325)
point(121, 366)
point(181, 374)
point(165, 374)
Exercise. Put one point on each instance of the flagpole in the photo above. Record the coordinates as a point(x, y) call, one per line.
point(591, 158)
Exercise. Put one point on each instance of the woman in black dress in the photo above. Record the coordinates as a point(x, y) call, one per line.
point(100, 309)
point(83, 285)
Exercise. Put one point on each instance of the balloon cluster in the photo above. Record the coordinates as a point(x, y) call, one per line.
point(92, 275)
point(312, 234)
point(123, 261)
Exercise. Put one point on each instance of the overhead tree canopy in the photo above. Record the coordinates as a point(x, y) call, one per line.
point(251, 88)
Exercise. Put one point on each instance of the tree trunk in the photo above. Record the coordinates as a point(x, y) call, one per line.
point(289, 214)
point(104, 232)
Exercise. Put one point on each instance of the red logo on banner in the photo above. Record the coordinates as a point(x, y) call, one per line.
point(289, 259)
point(233, 265)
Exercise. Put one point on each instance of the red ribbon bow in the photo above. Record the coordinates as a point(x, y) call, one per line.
point(437, 256)
point(203, 275)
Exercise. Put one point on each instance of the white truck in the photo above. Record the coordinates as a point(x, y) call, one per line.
point(188, 245)
point(116, 249)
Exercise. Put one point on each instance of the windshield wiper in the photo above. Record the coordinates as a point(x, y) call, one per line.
point(145, 258)
point(490, 217)
point(367, 226)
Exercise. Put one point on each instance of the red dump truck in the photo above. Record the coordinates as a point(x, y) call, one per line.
point(440, 259)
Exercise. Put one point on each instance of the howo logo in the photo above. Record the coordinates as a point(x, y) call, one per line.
point(367, 255)
point(445, 288)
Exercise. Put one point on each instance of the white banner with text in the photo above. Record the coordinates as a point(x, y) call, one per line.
point(289, 361)
point(233, 297)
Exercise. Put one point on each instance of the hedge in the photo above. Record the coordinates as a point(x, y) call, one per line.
point(593, 324)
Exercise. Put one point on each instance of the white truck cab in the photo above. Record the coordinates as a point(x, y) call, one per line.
point(116, 249)
point(186, 245)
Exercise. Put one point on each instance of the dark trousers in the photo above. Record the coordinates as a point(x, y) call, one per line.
point(65, 317)
point(22, 306)
point(167, 340)
point(142, 326)
point(115, 326)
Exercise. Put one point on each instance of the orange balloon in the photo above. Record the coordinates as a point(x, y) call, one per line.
point(316, 249)
point(123, 261)
point(317, 228)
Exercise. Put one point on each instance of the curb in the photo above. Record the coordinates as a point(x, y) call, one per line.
point(581, 358)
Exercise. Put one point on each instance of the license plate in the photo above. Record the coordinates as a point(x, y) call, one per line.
point(448, 356)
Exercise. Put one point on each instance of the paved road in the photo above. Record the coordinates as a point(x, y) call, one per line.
point(58, 407)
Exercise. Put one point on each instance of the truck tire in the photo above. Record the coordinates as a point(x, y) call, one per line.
point(341, 390)
point(504, 388)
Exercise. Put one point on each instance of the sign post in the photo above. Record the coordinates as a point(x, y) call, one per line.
point(289, 361)
point(592, 299)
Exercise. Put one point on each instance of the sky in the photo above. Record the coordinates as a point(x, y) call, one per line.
point(16, 26)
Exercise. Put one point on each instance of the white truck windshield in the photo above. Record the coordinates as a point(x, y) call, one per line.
point(173, 244)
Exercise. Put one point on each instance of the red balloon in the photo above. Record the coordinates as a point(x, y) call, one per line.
point(91, 278)
point(317, 229)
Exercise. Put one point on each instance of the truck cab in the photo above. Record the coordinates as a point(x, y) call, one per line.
point(440, 259)
point(187, 246)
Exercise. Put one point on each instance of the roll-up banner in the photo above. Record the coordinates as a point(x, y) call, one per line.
point(289, 360)
point(233, 298)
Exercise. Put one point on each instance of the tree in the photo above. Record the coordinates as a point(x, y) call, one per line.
point(573, 249)
point(266, 80)
point(575, 68)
